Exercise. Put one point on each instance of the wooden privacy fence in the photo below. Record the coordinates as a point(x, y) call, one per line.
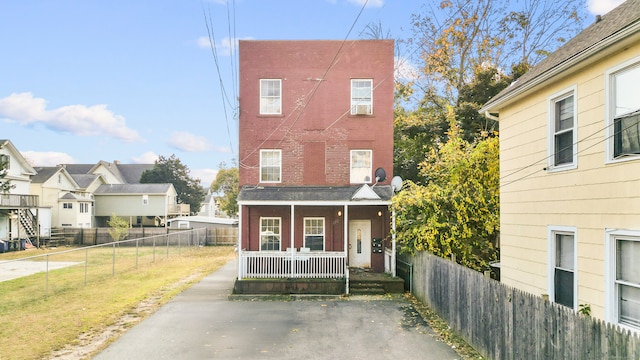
point(502, 322)
point(98, 236)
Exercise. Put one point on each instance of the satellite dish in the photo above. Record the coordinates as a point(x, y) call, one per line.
point(396, 183)
point(381, 175)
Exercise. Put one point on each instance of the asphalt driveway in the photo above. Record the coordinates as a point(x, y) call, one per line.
point(202, 323)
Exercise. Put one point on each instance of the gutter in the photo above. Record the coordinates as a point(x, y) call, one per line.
point(596, 48)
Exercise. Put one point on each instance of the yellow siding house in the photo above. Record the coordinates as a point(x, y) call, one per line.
point(570, 172)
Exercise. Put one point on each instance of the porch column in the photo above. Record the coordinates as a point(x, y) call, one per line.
point(345, 237)
point(240, 225)
point(393, 243)
point(292, 249)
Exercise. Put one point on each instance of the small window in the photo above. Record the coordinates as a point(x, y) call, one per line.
point(145, 199)
point(270, 166)
point(562, 124)
point(361, 97)
point(67, 205)
point(5, 160)
point(562, 259)
point(624, 110)
point(270, 234)
point(270, 96)
point(314, 234)
point(625, 291)
point(360, 166)
point(84, 207)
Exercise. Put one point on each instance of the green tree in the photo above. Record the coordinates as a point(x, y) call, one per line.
point(457, 212)
point(5, 184)
point(227, 183)
point(118, 227)
point(171, 170)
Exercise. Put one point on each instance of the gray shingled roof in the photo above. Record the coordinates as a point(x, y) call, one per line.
point(591, 40)
point(132, 189)
point(70, 196)
point(84, 180)
point(43, 174)
point(132, 172)
point(308, 193)
point(78, 168)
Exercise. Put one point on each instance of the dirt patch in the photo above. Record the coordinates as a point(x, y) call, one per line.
point(91, 342)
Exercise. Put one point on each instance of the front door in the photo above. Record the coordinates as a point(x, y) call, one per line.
point(360, 243)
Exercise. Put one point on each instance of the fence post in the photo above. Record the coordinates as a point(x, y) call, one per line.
point(46, 290)
point(113, 262)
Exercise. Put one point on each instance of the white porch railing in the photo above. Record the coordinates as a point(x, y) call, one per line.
point(289, 264)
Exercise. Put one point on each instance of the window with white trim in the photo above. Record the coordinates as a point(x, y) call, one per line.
point(67, 205)
point(624, 111)
point(270, 96)
point(562, 260)
point(84, 208)
point(145, 199)
point(361, 96)
point(562, 125)
point(360, 166)
point(624, 274)
point(270, 166)
point(5, 160)
point(270, 231)
point(314, 234)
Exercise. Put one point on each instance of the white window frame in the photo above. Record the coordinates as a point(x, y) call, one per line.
point(610, 96)
point(361, 105)
point(552, 150)
point(263, 165)
point(6, 159)
point(611, 291)
point(552, 231)
point(353, 178)
point(267, 101)
point(145, 199)
point(267, 230)
point(323, 228)
point(67, 205)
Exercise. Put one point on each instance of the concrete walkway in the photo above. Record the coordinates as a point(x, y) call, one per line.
point(202, 323)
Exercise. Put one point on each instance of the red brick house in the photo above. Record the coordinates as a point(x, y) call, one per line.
point(316, 158)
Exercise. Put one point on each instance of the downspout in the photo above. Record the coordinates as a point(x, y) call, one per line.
point(393, 243)
point(488, 115)
point(292, 248)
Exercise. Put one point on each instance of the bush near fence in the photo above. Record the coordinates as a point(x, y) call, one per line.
point(504, 323)
point(99, 236)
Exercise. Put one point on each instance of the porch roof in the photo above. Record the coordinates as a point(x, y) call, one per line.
point(314, 195)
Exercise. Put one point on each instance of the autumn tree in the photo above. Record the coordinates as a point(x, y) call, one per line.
point(457, 212)
point(227, 183)
point(172, 170)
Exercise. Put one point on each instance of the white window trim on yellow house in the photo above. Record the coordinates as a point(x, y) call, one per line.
point(610, 108)
point(553, 132)
point(552, 232)
point(612, 290)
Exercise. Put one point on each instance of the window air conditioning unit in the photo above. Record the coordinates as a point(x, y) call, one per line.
point(363, 109)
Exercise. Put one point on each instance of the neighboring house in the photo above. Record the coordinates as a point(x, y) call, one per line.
point(209, 206)
point(570, 172)
point(19, 210)
point(140, 204)
point(315, 136)
point(198, 221)
point(71, 205)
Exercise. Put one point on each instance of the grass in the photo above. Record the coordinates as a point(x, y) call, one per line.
point(40, 314)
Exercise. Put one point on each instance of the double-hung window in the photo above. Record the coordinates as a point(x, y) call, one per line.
point(67, 205)
point(270, 166)
point(360, 166)
point(270, 96)
point(562, 259)
point(270, 233)
point(361, 97)
point(314, 234)
point(624, 278)
point(562, 125)
point(624, 110)
point(5, 160)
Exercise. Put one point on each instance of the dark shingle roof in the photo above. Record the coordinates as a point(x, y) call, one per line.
point(132, 172)
point(308, 193)
point(132, 189)
point(79, 168)
point(43, 174)
point(589, 41)
point(84, 180)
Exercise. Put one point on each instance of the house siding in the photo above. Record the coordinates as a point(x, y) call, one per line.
point(593, 197)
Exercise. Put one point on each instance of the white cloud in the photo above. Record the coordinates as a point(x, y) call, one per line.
point(224, 48)
point(403, 69)
point(371, 3)
point(188, 142)
point(79, 120)
point(47, 158)
point(147, 158)
point(601, 7)
point(206, 176)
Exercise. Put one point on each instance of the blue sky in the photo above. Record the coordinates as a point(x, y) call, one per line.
point(128, 80)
